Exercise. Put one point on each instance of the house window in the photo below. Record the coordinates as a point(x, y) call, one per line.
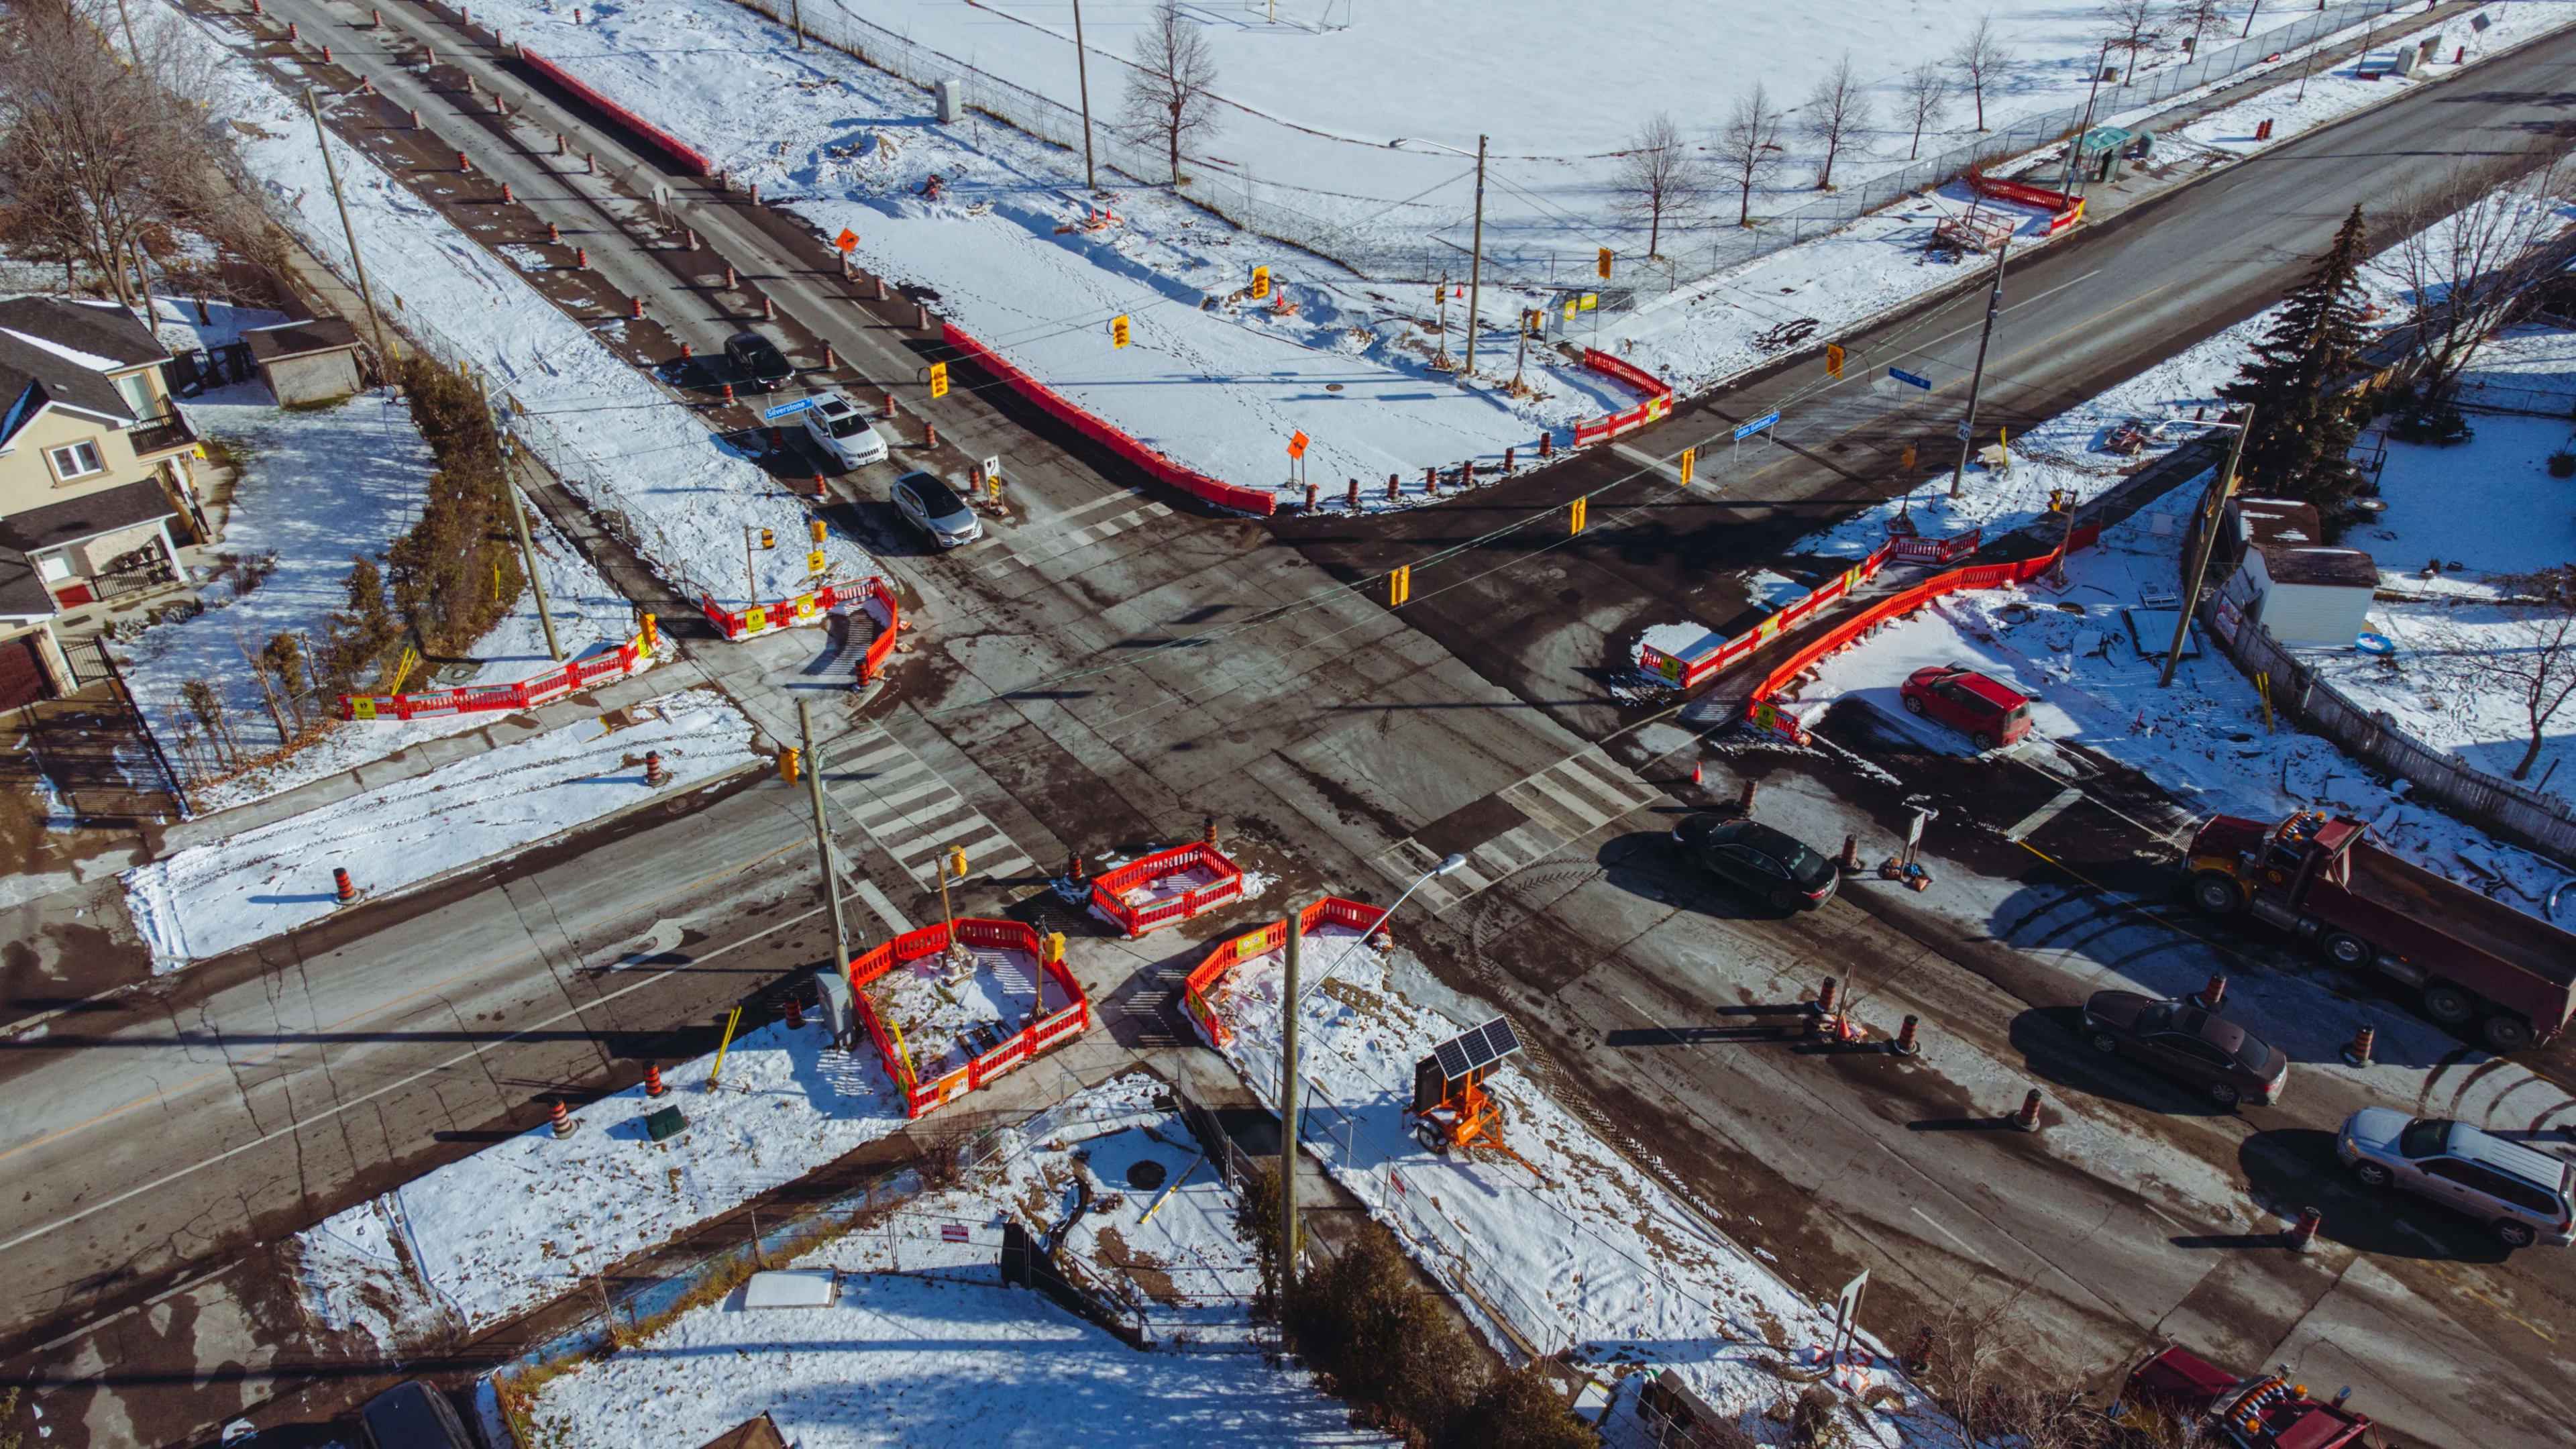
point(139, 398)
point(76, 460)
point(53, 568)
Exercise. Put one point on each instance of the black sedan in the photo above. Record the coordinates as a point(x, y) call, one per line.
point(1759, 858)
point(2182, 1041)
point(759, 361)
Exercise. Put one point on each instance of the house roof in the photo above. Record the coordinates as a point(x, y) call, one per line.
point(87, 516)
point(108, 337)
point(23, 594)
point(2334, 567)
point(2278, 520)
point(294, 339)
point(32, 380)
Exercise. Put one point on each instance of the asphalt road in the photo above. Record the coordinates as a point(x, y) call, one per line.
point(1110, 667)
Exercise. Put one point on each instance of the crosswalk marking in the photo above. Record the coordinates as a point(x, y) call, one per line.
point(1058, 545)
point(1564, 802)
point(913, 814)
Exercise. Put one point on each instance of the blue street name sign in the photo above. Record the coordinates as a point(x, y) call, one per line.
point(788, 409)
point(1901, 375)
point(1747, 430)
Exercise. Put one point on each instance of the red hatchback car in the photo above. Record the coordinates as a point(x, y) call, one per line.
point(1989, 713)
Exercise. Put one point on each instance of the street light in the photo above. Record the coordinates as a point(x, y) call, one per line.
point(1476, 251)
point(1288, 1079)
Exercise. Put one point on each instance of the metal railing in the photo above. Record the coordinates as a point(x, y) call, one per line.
point(1232, 191)
point(163, 435)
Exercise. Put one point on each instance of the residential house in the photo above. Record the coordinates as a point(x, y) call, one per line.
point(97, 487)
point(2303, 591)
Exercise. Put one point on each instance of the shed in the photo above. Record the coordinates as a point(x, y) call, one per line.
point(306, 362)
point(2311, 595)
point(760, 1433)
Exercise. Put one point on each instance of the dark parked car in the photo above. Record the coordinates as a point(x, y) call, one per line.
point(412, 1415)
point(1989, 712)
point(2182, 1041)
point(1759, 858)
point(758, 361)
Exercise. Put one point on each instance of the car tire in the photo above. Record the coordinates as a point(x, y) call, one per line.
point(2515, 1234)
point(2506, 1032)
point(1782, 900)
point(2223, 1093)
point(2347, 950)
point(1982, 740)
point(2448, 1004)
point(1913, 704)
point(2104, 1042)
point(2216, 894)
point(2372, 1174)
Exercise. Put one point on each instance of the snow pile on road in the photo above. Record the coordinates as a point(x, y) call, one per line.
point(525, 1221)
point(209, 899)
point(634, 454)
point(316, 487)
point(925, 1348)
point(1565, 1240)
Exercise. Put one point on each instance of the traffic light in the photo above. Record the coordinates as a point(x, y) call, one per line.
point(939, 379)
point(1906, 458)
point(787, 763)
point(1687, 464)
point(1399, 586)
point(1604, 265)
point(1579, 515)
point(768, 539)
point(817, 525)
point(1260, 283)
point(1833, 359)
point(957, 861)
point(1118, 331)
point(1534, 321)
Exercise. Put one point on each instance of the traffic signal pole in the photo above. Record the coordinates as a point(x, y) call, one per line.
point(1288, 1109)
point(1977, 380)
point(823, 838)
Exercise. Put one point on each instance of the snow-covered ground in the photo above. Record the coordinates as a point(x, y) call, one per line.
point(208, 899)
point(316, 487)
point(923, 1347)
point(528, 1220)
point(629, 450)
point(1565, 1238)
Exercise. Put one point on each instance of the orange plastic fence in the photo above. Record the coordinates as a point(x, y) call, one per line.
point(1659, 398)
point(1251, 945)
point(1689, 673)
point(1975, 576)
point(1064, 1025)
point(805, 609)
point(617, 663)
point(2064, 210)
point(1108, 889)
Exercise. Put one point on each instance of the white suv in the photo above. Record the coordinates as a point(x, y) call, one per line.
point(843, 433)
point(2524, 1196)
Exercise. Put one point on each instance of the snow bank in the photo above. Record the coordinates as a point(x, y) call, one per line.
point(630, 451)
point(528, 1220)
point(213, 898)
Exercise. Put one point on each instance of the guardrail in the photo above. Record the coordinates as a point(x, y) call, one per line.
point(919, 1096)
point(1252, 945)
point(1659, 398)
point(1109, 890)
point(631, 657)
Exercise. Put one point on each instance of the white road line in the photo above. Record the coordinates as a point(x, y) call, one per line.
point(877, 901)
point(1645, 459)
point(1964, 1245)
point(2056, 806)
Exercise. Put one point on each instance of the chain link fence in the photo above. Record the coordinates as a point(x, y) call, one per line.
point(1234, 193)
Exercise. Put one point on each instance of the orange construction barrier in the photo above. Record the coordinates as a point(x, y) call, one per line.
point(1252, 945)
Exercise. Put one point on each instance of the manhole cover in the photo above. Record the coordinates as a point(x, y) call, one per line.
point(457, 673)
point(1145, 1175)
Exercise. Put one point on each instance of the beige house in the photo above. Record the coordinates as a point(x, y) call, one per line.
point(96, 487)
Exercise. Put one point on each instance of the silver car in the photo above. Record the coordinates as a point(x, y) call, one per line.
point(843, 432)
point(2523, 1195)
point(935, 509)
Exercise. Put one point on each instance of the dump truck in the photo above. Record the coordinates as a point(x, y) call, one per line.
point(2177, 1390)
point(2323, 880)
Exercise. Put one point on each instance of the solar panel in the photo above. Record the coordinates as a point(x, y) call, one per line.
point(1476, 1047)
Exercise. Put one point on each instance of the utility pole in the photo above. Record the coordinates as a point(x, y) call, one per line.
point(1977, 380)
point(1520, 359)
point(1288, 1110)
point(2210, 512)
point(751, 579)
point(2066, 186)
point(823, 838)
point(796, 13)
point(1082, 78)
point(1475, 263)
point(528, 556)
point(357, 264)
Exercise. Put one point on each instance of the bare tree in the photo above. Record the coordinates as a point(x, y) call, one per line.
point(1659, 176)
point(2524, 651)
point(2129, 27)
point(1981, 59)
point(1748, 147)
point(2197, 20)
point(2475, 246)
point(1171, 97)
point(1927, 95)
point(1837, 114)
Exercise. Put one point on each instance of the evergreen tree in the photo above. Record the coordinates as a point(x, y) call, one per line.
point(2301, 442)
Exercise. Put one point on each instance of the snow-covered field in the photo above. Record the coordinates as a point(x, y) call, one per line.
point(208, 899)
point(528, 1220)
point(923, 1347)
point(629, 450)
point(318, 486)
point(1565, 1238)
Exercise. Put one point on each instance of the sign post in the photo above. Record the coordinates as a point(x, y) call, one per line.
point(1761, 424)
point(1910, 379)
point(1847, 1316)
point(939, 379)
point(1833, 359)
